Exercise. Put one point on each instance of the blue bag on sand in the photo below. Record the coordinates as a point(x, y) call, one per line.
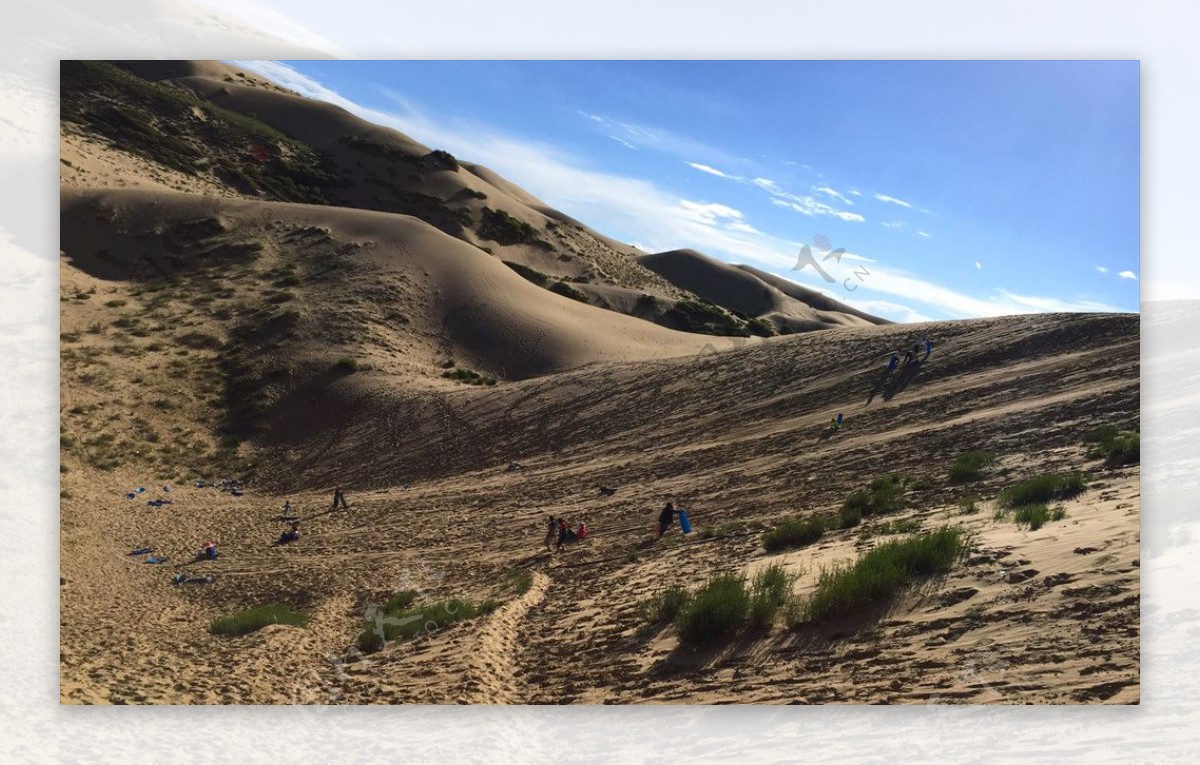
point(685, 523)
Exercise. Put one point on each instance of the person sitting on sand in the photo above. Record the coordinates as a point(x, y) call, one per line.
point(208, 551)
point(513, 466)
point(291, 535)
point(582, 531)
point(339, 499)
point(565, 534)
point(608, 491)
point(666, 518)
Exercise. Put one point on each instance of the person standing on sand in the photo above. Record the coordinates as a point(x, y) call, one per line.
point(339, 499)
point(665, 519)
point(928, 348)
point(893, 361)
point(551, 533)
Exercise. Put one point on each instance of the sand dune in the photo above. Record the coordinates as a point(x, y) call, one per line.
point(212, 330)
point(753, 292)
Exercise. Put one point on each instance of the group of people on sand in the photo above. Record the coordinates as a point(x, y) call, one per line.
point(910, 354)
point(559, 533)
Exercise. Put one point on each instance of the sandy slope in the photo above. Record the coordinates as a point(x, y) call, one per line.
point(1038, 616)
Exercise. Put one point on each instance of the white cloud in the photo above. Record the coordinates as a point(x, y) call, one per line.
point(806, 205)
point(1102, 269)
point(623, 142)
point(978, 265)
point(1127, 275)
point(893, 224)
point(707, 169)
point(855, 192)
point(744, 228)
point(829, 192)
point(708, 213)
point(892, 200)
point(922, 234)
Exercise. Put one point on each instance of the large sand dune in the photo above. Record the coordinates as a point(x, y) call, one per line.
point(210, 330)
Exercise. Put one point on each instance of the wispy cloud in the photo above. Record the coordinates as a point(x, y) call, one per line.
point(923, 234)
point(892, 200)
point(893, 224)
point(708, 213)
point(1102, 269)
point(1127, 275)
point(709, 170)
point(804, 204)
point(834, 193)
point(623, 142)
point(978, 265)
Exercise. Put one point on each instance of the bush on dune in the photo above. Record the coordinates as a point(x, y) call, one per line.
point(881, 573)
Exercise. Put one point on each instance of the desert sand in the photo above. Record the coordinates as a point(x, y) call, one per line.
point(213, 330)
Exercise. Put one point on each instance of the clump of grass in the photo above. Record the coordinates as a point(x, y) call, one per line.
point(346, 365)
point(884, 495)
point(394, 621)
point(1116, 447)
point(1037, 515)
point(881, 573)
point(969, 505)
point(969, 466)
point(633, 556)
point(906, 526)
point(254, 619)
point(520, 581)
point(1042, 488)
point(794, 532)
point(717, 611)
point(770, 591)
point(665, 605)
point(469, 376)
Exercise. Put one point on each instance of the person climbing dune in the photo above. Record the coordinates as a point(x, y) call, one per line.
point(665, 519)
point(339, 499)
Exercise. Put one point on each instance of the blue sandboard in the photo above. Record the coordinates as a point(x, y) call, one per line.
point(685, 523)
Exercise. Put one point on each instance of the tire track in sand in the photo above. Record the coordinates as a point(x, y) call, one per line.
point(491, 668)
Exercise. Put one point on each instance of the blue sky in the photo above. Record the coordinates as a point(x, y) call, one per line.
point(957, 189)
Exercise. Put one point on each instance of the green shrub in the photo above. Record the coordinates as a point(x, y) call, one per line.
point(664, 606)
point(251, 620)
point(469, 376)
point(794, 532)
point(404, 623)
point(969, 466)
point(716, 612)
point(1037, 515)
point(704, 318)
point(885, 495)
point(881, 573)
point(1116, 447)
point(503, 228)
point(770, 591)
point(1042, 488)
point(520, 581)
point(969, 505)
